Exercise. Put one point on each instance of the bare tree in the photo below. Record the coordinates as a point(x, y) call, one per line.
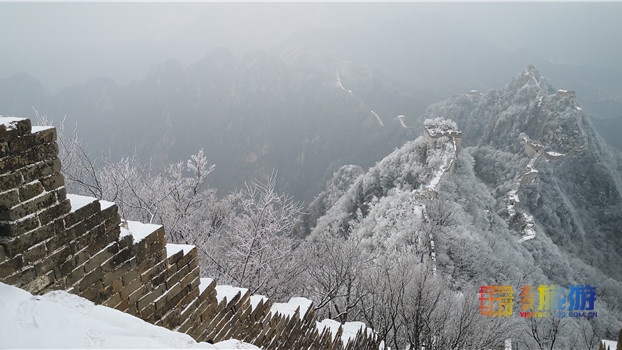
point(256, 248)
point(542, 333)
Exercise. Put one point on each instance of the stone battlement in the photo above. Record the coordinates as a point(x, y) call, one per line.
point(435, 129)
point(50, 240)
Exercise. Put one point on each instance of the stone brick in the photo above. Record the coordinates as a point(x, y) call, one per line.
point(188, 278)
point(40, 283)
point(173, 259)
point(126, 241)
point(111, 212)
point(113, 300)
point(175, 278)
point(105, 293)
point(157, 269)
point(32, 206)
point(60, 237)
point(61, 193)
point(80, 257)
point(9, 199)
point(40, 170)
point(90, 278)
point(12, 163)
point(111, 276)
point(171, 268)
point(53, 181)
point(76, 232)
point(40, 153)
point(122, 306)
point(74, 276)
point(17, 245)
point(10, 181)
point(117, 284)
point(190, 297)
point(192, 254)
point(112, 226)
point(130, 276)
point(66, 267)
point(148, 313)
point(21, 277)
point(4, 149)
point(102, 238)
point(35, 254)
point(137, 294)
point(172, 319)
point(55, 259)
point(82, 214)
point(19, 227)
point(54, 212)
point(26, 142)
point(24, 127)
point(162, 306)
point(122, 256)
point(94, 220)
point(97, 239)
point(93, 291)
point(159, 279)
point(97, 260)
point(185, 326)
point(30, 190)
point(131, 288)
point(174, 296)
point(151, 297)
point(8, 267)
point(7, 134)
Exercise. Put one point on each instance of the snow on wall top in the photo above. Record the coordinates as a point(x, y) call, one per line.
point(105, 204)
point(289, 309)
point(59, 320)
point(38, 128)
point(228, 292)
point(256, 299)
point(138, 230)
point(349, 329)
point(10, 123)
point(204, 283)
point(172, 249)
point(78, 201)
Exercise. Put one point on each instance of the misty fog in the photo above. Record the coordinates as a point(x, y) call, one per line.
point(111, 68)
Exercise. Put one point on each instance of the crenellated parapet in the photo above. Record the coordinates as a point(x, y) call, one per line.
point(50, 240)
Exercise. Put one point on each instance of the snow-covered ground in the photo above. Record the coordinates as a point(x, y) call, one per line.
point(59, 320)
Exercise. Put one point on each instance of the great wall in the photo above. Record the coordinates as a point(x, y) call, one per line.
point(51, 240)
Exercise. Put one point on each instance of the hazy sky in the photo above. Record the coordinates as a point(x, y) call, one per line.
point(32, 33)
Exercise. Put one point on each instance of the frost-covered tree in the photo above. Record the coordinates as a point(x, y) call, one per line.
point(244, 238)
point(255, 247)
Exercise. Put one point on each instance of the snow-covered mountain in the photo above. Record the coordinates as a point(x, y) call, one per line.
point(534, 196)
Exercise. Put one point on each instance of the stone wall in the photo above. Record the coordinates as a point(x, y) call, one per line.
point(50, 240)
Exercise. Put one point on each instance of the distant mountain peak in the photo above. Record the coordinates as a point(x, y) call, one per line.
point(530, 78)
